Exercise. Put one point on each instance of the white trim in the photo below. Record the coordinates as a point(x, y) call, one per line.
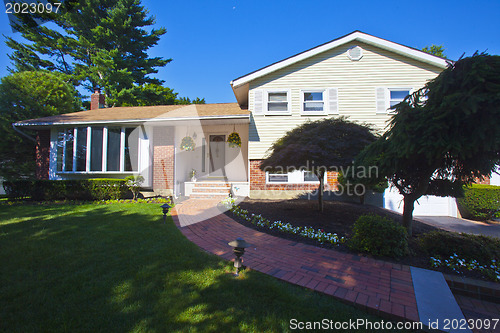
point(324, 100)
point(122, 150)
point(104, 164)
point(388, 96)
point(355, 36)
point(75, 146)
point(265, 102)
point(127, 121)
point(95, 172)
point(89, 149)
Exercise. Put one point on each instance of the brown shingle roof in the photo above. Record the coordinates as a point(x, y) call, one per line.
point(143, 113)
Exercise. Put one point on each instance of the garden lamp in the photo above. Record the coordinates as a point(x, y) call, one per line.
point(239, 245)
point(165, 208)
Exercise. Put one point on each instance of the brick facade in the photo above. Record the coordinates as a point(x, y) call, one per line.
point(484, 181)
point(42, 154)
point(163, 158)
point(258, 181)
point(97, 100)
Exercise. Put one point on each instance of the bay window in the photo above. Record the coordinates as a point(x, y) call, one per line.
point(97, 149)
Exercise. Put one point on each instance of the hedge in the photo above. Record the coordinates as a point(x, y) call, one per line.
point(379, 236)
point(480, 202)
point(81, 189)
point(466, 246)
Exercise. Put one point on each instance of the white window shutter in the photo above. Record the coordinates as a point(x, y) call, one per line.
point(258, 103)
point(333, 101)
point(381, 100)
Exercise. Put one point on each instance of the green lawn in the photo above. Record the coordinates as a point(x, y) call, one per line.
point(117, 267)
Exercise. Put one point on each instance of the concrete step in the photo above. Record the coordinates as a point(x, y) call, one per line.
point(208, 196)
point(212, 184)
point(437, 307)
point(211, 190)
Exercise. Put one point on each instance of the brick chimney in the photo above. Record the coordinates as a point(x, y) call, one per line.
point(97, 100)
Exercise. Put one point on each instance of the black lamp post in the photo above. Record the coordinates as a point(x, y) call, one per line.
point(239, 246)
point(165, 208)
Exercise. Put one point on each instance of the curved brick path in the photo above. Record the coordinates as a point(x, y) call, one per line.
point(379, 287)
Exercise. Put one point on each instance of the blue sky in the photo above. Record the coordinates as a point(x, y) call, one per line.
point(214, 42)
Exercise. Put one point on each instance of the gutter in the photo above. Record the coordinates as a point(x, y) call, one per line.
point(141, 121)
point(22, 133)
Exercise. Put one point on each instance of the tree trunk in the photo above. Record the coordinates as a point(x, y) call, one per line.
point(409, 204)
point(362, 199)
point(321, 178)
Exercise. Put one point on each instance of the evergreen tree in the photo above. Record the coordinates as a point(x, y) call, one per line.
point(444, 135)
point(100, 43)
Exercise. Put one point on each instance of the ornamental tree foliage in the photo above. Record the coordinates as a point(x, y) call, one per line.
point(100, 43)
point(28, 95)
point(319, 146)
point(437, 50)
point(443, 136)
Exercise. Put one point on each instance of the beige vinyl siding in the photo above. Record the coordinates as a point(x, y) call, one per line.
point(356, 82)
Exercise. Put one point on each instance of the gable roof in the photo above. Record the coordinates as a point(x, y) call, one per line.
point(140, 114)
point(241, 82)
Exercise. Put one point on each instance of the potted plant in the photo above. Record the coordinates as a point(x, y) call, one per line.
point(187, 143)
point(234, 140)
point(192, 175)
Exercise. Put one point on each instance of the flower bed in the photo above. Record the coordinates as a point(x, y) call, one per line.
point(306, 232)
point(459, 265)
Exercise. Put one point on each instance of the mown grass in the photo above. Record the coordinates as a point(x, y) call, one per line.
point(118, 268)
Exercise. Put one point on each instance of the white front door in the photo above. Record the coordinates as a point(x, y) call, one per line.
point(217, 155)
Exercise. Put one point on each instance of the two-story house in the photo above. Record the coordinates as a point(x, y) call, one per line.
point(358, 75)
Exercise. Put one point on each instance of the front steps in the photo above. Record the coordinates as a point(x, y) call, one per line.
point(210, 190)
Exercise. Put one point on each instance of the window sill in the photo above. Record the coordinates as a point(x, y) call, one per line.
point(303, 183)
point(96, 172)
point(313, 113)
point(287, 113)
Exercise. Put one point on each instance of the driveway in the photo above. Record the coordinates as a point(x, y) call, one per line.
point(461, 225)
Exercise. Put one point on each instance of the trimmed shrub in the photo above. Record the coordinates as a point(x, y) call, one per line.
point(466, 246)
point(18, 189)
point(480, 202)
point(81, 189)
point(379, 236)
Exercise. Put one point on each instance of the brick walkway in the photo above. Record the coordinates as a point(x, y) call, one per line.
point(379, 287)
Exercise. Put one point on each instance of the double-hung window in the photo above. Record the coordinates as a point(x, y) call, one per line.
point(278, 102)
point(293, 177)
point(98, 149)
point(313, 102)
point(397, 96)
point(388, 98)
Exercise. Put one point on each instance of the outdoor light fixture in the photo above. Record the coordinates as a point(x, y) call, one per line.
point(239, 246)
point(165, 208)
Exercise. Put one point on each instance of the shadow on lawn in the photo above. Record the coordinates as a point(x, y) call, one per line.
point(119, 268)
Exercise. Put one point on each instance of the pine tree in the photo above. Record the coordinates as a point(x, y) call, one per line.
point(100, 43)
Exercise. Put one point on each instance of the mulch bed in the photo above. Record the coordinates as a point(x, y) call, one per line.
point(338, 217)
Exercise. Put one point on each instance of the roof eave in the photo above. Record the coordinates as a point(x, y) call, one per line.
point(128, 121)
point(354, 36)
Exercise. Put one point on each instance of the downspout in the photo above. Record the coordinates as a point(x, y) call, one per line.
point(22, 133)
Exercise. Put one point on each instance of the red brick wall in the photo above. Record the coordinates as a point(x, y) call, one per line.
point(485, 181)
point(97, 100)
point(163, 158)
point(42, 154)
point(258, 180)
